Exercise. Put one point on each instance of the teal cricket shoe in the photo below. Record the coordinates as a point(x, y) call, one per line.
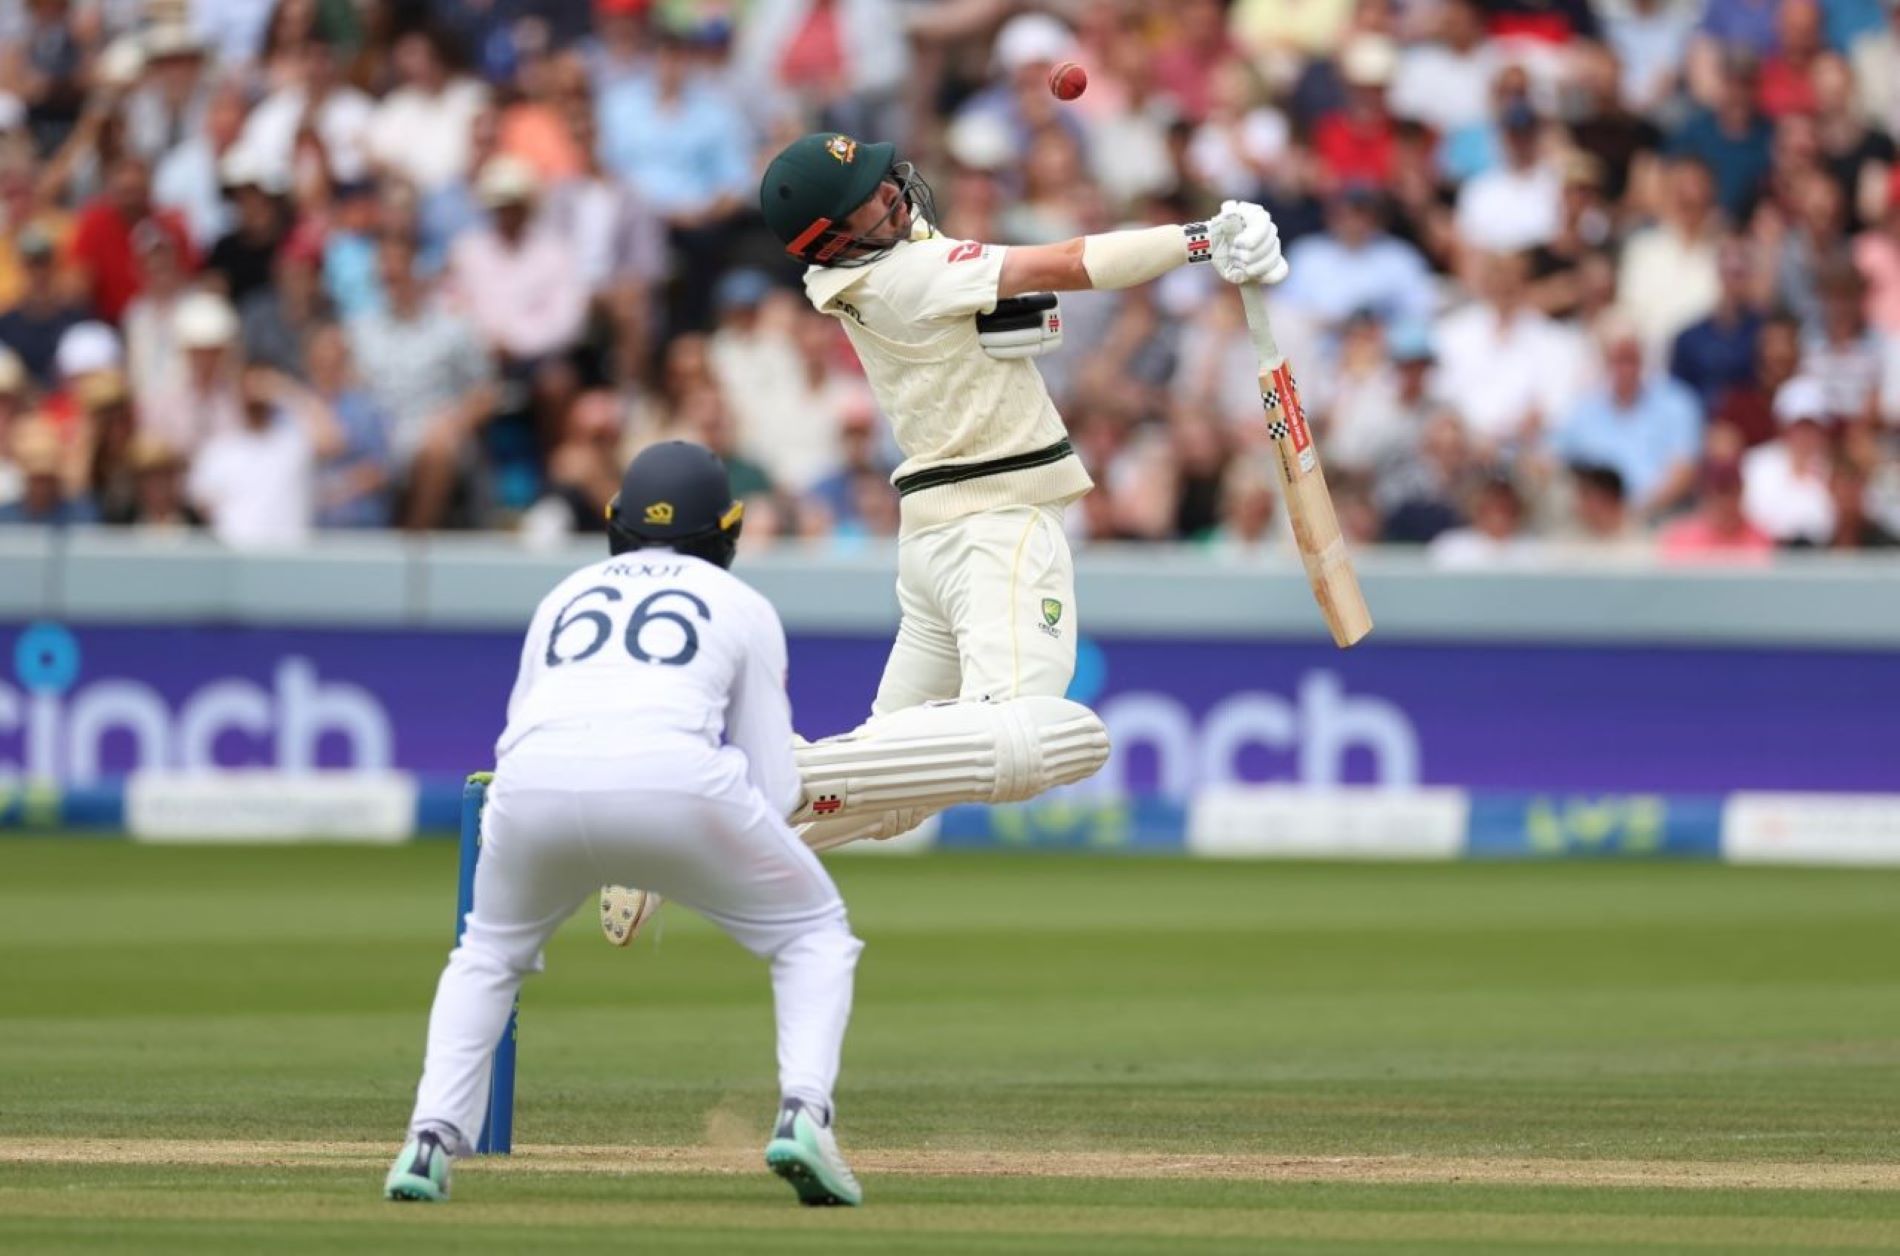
point(804, 1152)
point(421, 1172)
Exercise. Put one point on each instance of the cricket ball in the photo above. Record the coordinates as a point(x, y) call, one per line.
point(1068, 80)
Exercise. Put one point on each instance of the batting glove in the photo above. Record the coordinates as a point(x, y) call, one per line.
point(1027, 326)
point(1246, 244)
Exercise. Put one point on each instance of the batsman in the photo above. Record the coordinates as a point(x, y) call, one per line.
point(970, 705)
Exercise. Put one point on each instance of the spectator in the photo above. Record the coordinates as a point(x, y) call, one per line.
point(1445, 83)
point(205, 399)
point(1745, 415)
point(1560, 267)
point(1601, 524)
point(844, 491)
point(1877, 257)
point(1514, 206)
point(1815, 243)
point(1511, 369)
point(13, 384)
point(1495, 537)
point(1251, 521)
point(244, 258)
point(1854, 528)
point(617, 51)
point(1623, 141)
point(316, 111)
point(1376, 425)
point(277, 319)
point(350, 268)
point(1194, 43)
point(1420, 496)
point(1717, 354)
point(234, 30)
point(702, 416)
point(1785, 490)
point(254, 484)
point(585, 466)
point(355, 470)
point(1650, 39)
point(427, 370)
point(1718, 531)
point(102, 237)
point(1669, 278)
point(420, 130)
point(1242, 140)
point(158, 479)
point(1355, 144)
point(153, 357)
point(104, 443)
point(1355, 267)
point(1643, 425)
point(1876, 65)
point(168, 104)
point(36, 323)
point(843, 61)
point(1859, 159)
point(1787, 73)
point(1844, 356)
point(685, 148)
point(44, 500)
point(518, 282)
point(1730, 139)
point(87, 351)
point(188, 180)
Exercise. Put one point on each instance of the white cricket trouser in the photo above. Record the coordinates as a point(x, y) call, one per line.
point(987, 608)
point(562, 820)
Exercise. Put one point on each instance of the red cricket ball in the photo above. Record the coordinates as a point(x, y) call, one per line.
point(1067, 81)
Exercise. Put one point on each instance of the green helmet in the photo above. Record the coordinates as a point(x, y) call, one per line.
point(816, 182)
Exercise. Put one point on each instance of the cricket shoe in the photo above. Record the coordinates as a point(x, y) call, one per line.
point(804, 1153)
point(625, 911)
point(421, 1172)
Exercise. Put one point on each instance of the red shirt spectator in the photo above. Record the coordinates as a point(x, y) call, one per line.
point(101, 245)
point(1718, 532)
point(1183, 67)
point(1356, 144)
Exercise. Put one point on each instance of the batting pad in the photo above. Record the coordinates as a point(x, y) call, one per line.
point(930, 757)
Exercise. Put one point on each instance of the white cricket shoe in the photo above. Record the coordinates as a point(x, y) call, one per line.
point(804, 1152)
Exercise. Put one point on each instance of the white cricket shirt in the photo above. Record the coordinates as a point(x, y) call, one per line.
point(911, 315)
point(654, 649)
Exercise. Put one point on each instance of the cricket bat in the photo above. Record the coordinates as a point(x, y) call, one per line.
point(1308, 503)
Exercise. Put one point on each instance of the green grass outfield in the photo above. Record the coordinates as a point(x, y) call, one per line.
point(213, 1050)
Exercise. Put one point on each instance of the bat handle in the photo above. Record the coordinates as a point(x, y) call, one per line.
point(1253, 301)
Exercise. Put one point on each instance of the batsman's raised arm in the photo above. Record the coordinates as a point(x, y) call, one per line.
point(1241, 241)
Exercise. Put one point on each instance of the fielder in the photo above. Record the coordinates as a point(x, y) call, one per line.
point(649, 741)
point(946, 330)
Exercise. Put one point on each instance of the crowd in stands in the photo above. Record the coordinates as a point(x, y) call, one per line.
point(1567, 278)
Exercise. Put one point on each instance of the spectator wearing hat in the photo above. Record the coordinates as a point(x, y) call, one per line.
point(519, 283)
point(87, 351)
point(1719, 530)
point(203, 399)
point(426, 368)
point(1445, 82)
point(255, 484)
point(1668, 278)
point(107, 430)
point(44, 500)
point(1717, 354)
point(102, 237)
point(1515, 205)
point(167, 104)
point(35, 324)
point(158, 486)
point(1355, 143)
point(1785, 482)
point(245, 257)
point(1641, 424)
point(1355, 267)
point(420, 130)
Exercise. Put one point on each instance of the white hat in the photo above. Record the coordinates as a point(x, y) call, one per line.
point(506, 180)
point(1032, 39)
point(171, 39)
point(243, 168)
point(980, 140)
point(121, 62)
point(1369, 60)
point(1800, 398)
point(85, 348)
point(204, 320)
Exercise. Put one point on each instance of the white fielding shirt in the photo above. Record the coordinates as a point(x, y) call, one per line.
point(911, 316)
point(658, 650)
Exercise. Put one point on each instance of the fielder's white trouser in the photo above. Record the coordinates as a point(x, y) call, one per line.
point(987, 610)
point(563, 819)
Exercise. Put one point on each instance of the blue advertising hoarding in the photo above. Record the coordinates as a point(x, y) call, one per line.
point(85, 703)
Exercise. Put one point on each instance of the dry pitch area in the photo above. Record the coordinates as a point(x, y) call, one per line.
point(211, 1050)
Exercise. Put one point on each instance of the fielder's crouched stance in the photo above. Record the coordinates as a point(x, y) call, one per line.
point(649, 741)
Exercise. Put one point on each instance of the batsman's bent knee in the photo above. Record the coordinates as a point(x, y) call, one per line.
point(931, 757)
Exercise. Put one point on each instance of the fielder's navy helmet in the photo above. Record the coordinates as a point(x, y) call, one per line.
point(676, 495)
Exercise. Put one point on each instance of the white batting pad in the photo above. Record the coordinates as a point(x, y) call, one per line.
point(926, 758)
